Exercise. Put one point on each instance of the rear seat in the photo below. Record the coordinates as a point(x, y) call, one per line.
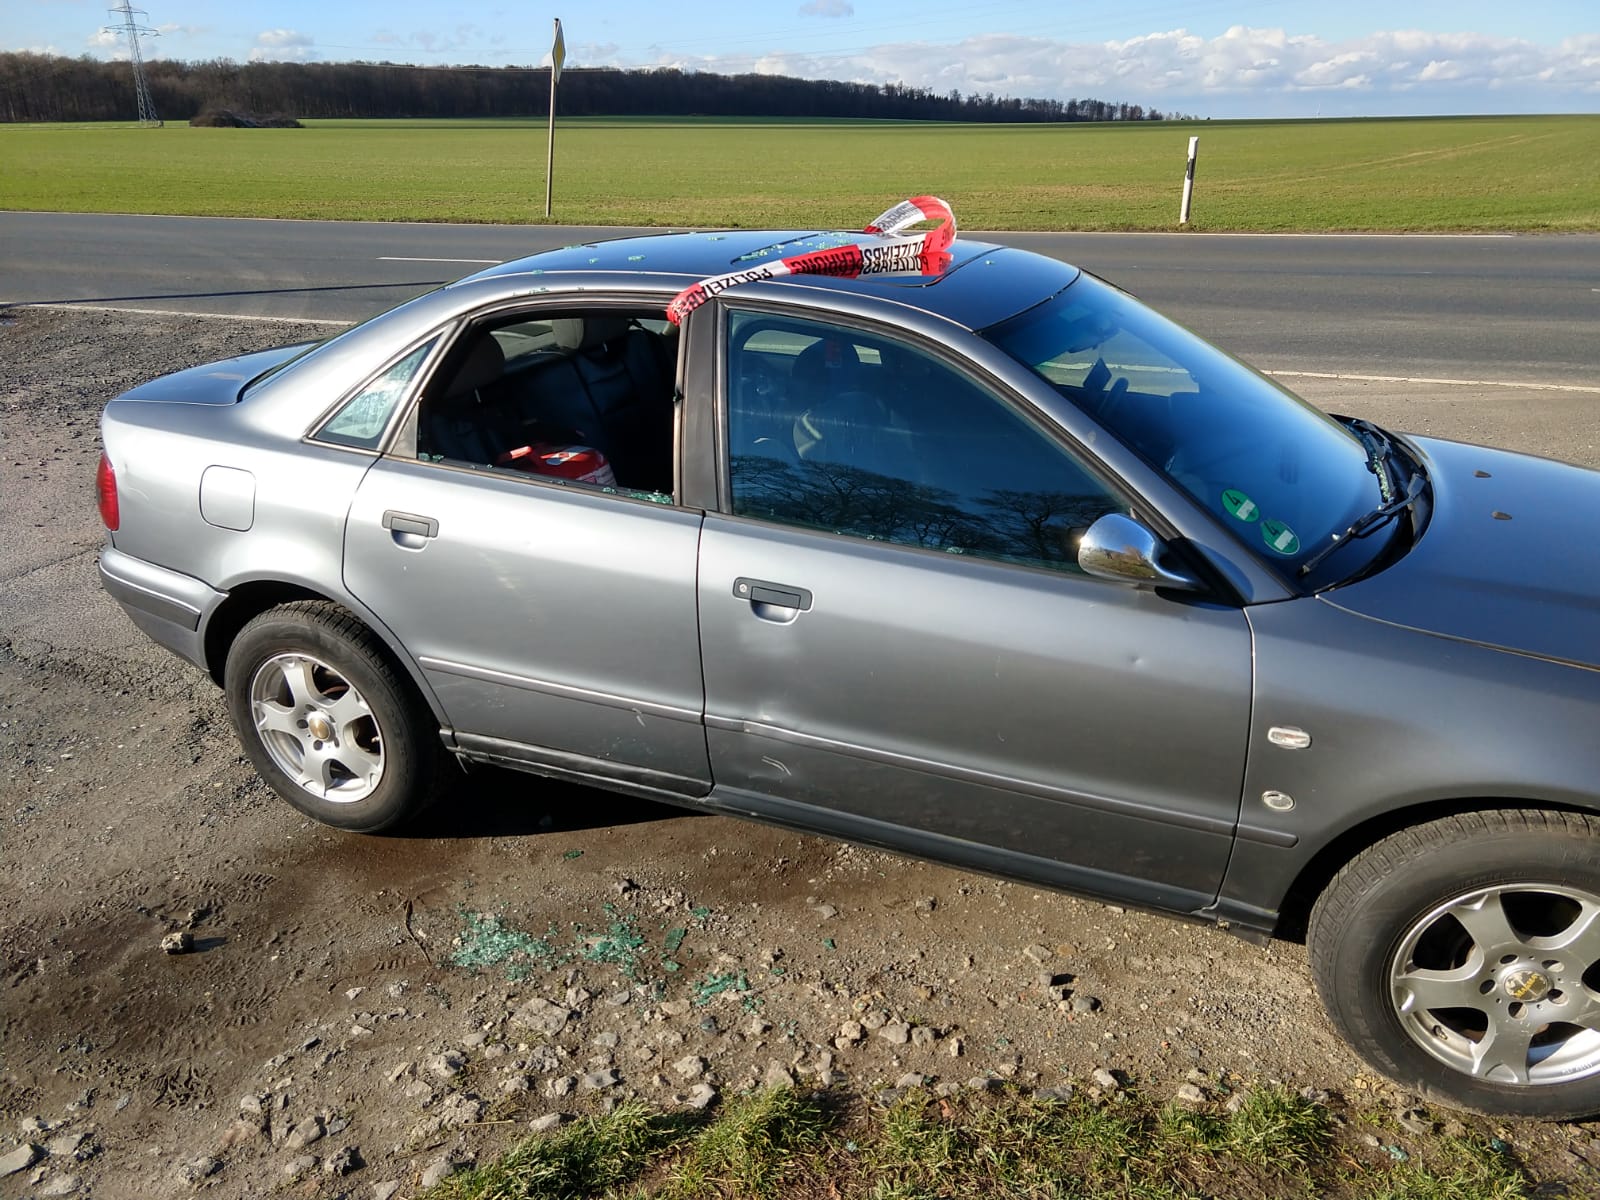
point(607, 384)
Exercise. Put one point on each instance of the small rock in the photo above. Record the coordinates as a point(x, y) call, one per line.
point(577, 997)
point(460, 1109)
point(243, 1130)
point(419, 1089)
point(851, 1032)
point(385, 1190)
point(61, 1185)
point(624, 885)
point(447, 1065)
point(1191, 1093)
point(757, 1027)
point(344, 1162)
point(674, 1008)
point(826, 911)
point(924, 1035)
point(599, 1080)
point(702, 1095)
point(547, 1122)
point(438, 1171)
point(777, 1076)
point(874, 1018)
point(514, 1085)
point(1085, 1004)
point(297, 1167)
point(691, 1066)
point(541, 1016)
point(474, 1040)
point(1053, 1094)
point(304, 1134)
point(896, 1033)
point(1105, 1079)
point(619, 999)
point(560, 1087)
point(1236, 1102)
point(926, 905)
point(1037, 953)
point(605, 1041)
point(912, 1079)
point(65, 1145)
point(180, 942)
point(251, 1104)
point(982, 1083)
point(953, 1047)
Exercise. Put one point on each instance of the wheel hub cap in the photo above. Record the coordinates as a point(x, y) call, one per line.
point(320, 727)
point(1526, 984)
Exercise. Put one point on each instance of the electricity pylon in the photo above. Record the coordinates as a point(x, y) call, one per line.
point(133, 30)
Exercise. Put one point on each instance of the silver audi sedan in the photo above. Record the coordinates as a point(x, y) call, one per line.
point(990, 565)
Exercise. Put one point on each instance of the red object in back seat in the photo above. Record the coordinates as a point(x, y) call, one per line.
point(584, 464)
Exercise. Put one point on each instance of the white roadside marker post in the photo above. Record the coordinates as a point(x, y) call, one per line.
point(1188, 181)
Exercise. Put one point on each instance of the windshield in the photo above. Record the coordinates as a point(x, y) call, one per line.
point(1283, 477)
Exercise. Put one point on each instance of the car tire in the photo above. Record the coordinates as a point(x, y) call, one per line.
point(1462, 958)
point(327, 720)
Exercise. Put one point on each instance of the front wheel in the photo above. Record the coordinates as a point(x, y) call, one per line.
point(1462, 959)
point(326, 719)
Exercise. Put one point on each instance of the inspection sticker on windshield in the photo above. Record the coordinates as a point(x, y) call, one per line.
point(1280, 537)
point(1240, 505)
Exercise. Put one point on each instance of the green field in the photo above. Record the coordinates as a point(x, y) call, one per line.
point(1466, 173)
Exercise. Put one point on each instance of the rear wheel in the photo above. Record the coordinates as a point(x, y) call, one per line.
point(1462, 958)
point(327, 721)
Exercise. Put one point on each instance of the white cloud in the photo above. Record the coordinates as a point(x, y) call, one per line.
point(828, 8)
point(1243, 68)
point(283, 45)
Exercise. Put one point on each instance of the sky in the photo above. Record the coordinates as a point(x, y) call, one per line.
point(1246, 58)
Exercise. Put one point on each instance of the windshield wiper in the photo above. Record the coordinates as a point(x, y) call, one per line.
point(1366, 524)
point(1380, 456)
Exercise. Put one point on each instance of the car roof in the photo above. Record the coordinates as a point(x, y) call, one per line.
point(985, 283)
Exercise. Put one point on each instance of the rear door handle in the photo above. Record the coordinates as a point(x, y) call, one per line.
point(780, 595)
point(399, 522)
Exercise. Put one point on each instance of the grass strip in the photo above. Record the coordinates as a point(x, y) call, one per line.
point(1411, 174)
point(802, 1143)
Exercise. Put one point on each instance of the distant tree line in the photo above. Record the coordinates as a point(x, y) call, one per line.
point(47, 87)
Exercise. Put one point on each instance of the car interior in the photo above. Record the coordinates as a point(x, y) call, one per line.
point(601, 380)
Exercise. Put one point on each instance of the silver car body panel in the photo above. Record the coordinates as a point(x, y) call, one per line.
point(1065, 717)
point(1082, 733)
point(542, 608)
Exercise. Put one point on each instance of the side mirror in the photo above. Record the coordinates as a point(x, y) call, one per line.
point(1118, 547)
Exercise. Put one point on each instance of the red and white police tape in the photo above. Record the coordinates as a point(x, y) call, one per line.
point(894, 250)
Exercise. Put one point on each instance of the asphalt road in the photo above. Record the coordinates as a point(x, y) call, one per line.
point(1499, 309)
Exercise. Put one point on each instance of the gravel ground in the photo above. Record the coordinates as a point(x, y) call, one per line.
point(351, 1012)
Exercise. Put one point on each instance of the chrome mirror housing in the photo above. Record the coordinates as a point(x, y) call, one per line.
point(1118, 547)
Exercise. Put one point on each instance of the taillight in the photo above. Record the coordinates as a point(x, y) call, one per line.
point(105, 486)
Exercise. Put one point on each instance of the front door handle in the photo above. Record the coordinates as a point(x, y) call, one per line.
point(761, 592)
point(399, 522)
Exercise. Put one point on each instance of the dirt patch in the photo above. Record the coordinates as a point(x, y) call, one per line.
point(529, 949)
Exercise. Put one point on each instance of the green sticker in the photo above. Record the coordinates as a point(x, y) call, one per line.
point(1279, 537)
point(1240, 505)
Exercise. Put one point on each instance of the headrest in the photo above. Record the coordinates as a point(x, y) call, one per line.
point(597, 331)
point(567, 332)
point(484, 364)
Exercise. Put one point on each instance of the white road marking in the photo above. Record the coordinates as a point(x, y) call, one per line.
point(493, 262)
point(170, 312)
point(1503, 383)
